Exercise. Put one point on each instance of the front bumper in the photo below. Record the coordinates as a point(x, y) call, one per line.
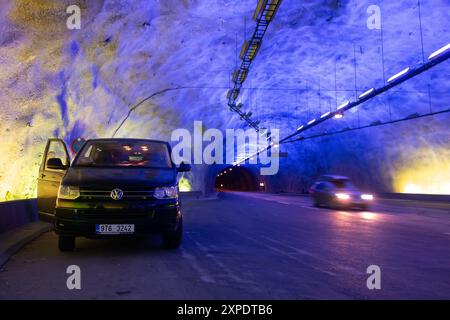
point(159, 218)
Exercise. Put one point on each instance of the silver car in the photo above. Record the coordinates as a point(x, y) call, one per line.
point(338, 192)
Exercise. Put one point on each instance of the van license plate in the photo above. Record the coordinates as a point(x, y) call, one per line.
point(114, 228)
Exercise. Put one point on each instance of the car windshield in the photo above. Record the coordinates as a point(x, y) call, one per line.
point(343, 184)
point(142, 154)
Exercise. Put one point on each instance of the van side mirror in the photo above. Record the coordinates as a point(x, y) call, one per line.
point(56, 164)
point(184, 167)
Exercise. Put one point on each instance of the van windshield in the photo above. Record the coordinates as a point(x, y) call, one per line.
point(106, 154)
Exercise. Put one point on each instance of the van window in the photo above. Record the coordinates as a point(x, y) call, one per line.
point(145, 154)
point(57, 150)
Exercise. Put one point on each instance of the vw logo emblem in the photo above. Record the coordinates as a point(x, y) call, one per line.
point(116, 194)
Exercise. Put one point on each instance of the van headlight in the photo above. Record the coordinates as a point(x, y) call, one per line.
point(166, 193)
point(68, 192)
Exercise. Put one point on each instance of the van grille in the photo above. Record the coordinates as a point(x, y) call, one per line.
point(89, 194)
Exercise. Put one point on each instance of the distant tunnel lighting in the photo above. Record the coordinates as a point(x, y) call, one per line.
point(338, 116)
point(346, 103)
point(275, 145)
point(312, 121)
point(398, 75)
point(365, 94)
point(411, 188)
point(325, 114)
point(261, 184)
point(300, 128)
point(438, 52)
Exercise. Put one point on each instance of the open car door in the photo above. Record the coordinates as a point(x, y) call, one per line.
point(55, 156)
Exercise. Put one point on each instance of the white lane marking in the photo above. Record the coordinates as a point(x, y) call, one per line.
point(219, 263)
point(204, 274)
point(286, 254)
point(282, 202)
point(300, 251)
point(277, 199)
point(314, 256)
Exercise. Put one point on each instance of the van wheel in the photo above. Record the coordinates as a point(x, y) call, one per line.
point(173, 241)
point(66, 243)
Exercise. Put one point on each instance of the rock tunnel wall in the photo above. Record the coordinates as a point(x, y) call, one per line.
point(70, 83)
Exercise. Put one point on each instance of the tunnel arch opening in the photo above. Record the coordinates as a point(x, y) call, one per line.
point(237, 179)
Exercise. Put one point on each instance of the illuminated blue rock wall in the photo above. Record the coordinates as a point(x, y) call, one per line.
point(71, 83)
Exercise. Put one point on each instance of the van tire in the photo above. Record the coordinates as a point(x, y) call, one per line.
point(66, 243)
point(173, 241)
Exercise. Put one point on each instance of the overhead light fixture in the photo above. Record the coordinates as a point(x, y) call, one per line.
point(300, 128)
point(325, 114)
point(274, 145)
point(312, 121)
point(439, 52)
point(343, 105)
point(338, 116)
point(398, 75)
point(365, 94)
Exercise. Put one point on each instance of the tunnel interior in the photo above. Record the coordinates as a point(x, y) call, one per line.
point(113, 78)
point(236, 178)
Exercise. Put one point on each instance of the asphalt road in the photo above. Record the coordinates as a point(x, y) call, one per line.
point(253, 246)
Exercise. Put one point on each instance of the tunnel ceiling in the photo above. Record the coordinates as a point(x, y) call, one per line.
point(71, 83)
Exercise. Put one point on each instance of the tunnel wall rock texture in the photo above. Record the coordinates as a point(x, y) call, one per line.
point(69, 83)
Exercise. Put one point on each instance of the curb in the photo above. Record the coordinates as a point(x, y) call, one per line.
point(14, 240)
